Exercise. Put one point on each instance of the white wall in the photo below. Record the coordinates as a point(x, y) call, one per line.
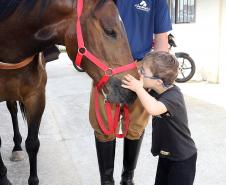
point(202, 39)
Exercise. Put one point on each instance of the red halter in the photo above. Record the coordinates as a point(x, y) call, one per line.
point(108, 72)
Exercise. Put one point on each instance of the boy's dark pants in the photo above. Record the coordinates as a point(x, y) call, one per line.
point(176, 172)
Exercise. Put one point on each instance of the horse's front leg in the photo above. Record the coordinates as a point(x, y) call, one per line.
point(3, 171)
point(17, 153)
point(34, 107)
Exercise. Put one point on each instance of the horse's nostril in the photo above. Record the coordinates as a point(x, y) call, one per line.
point(118, 94)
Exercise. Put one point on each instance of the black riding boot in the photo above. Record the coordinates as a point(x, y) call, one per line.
point(130, 156)
point(106, 158)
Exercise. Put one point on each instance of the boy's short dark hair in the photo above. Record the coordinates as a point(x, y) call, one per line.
point(163, 65)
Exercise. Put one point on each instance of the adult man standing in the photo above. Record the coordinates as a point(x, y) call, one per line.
point(143, 20)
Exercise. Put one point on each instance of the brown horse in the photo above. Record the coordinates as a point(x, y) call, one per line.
point(28, 27)
point(15, 85)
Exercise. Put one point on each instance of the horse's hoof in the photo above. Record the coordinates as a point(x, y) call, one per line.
point(17, 156)
point(33, 181)
point(5, 181)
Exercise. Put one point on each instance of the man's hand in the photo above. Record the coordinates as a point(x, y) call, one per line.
point(132, 83)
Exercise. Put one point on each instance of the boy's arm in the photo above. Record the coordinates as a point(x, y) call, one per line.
point(152, 106)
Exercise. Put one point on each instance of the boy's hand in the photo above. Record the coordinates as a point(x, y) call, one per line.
point(132, 83)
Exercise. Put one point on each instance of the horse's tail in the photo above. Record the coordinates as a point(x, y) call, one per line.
point(23, 110)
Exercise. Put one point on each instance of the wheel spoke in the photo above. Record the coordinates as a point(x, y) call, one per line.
point(183, 62)
point(183, 74)
point(186, 68)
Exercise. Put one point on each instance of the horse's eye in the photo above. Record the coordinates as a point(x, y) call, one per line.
point(110, 32)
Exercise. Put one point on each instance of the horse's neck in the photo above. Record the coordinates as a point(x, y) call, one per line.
point(23, 39)
point(16, 48)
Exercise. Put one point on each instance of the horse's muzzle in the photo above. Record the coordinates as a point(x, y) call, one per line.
point(118, 94)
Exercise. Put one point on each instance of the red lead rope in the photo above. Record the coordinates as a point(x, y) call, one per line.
point(113, 124)
point(82, 51)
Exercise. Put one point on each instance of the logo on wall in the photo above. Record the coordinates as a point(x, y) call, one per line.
point(142, 6)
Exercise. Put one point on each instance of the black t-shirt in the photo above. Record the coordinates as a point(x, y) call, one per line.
point(171, 137)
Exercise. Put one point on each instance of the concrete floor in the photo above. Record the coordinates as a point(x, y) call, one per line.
point(67, 153)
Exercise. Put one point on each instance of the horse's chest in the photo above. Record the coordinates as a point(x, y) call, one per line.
point(17, 85)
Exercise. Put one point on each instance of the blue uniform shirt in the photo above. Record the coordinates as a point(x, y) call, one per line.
point(142, 19)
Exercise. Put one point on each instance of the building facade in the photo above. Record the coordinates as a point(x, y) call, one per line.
point(199, 27)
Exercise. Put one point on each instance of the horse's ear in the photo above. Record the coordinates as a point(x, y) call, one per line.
point(46, 33)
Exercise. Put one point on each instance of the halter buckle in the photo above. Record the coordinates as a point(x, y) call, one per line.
point(109, 72)
point(82, 50)
point(106, 100)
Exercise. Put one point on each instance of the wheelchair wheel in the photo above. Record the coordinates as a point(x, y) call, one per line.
point(186, 67)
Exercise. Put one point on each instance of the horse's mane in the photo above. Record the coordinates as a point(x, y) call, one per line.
point(8, 7)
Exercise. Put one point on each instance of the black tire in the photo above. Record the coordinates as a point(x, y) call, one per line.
point(186, 69)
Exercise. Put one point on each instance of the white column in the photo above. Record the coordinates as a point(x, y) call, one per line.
point(222, 45)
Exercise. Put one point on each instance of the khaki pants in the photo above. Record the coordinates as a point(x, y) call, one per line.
point(138, 119)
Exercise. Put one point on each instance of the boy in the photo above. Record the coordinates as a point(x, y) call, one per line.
point(171, 138)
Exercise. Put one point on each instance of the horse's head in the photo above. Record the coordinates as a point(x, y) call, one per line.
point(47, 22)
point(104, 36)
